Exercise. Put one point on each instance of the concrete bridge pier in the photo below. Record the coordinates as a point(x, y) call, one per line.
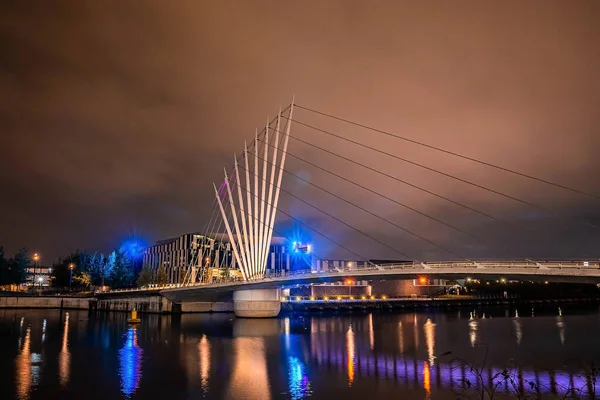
point(257, 303)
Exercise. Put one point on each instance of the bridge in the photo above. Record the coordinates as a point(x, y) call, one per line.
point(247, 203)
point(522, 270)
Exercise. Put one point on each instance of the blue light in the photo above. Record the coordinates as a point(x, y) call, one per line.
point(133, 248)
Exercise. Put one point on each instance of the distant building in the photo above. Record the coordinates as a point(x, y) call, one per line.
point(209, 255)
point(38, 276)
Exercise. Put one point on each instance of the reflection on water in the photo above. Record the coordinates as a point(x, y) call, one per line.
point(64, 358)
point(294, 357)
point(473, 327)
point(204, 355)
point(561, 329)
point(250, 378)
point(44, 331)
point(518, 330)
point(416, 330)
point(286, 324)
point(130, 363)
point(23, 367)
point(298, 383)
point(371, 332)
point(400, 337)
point(429, 329)
point(350, 352)
point(427, 379)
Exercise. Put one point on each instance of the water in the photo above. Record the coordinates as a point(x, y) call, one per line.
point(51, 354)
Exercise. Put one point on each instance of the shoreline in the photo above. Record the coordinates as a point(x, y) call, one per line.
point(94, 305)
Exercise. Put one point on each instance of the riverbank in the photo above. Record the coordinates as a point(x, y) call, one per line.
point(53, 302)
point(160, 305)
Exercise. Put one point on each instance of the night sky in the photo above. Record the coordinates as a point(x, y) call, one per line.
point(117, 117)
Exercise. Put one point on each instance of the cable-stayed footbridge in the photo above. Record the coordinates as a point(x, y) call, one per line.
point(248, 210)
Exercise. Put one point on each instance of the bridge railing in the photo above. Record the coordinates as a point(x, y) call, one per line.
point(421, 266)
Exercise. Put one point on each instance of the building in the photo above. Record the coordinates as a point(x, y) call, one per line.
point(194, 257)
point(38, 276)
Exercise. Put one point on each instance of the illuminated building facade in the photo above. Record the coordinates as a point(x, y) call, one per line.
point(194, 257)
point(38, 276)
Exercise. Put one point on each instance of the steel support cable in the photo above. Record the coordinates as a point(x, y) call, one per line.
point(344, 223)
point(369, 190)
point(387, 176)
point(558, 185)
point(206, 229)
point(195, 255)
point(511, 224)
point(211, 230)
point(371, 213)
point(318, 232)
point(432, 170)
point(369, 236)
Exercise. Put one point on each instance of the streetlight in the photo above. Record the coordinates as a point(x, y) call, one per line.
point(36, 258)
point(71, 266)
point(40, 280)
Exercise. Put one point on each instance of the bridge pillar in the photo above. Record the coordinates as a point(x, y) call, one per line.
point(257, 303)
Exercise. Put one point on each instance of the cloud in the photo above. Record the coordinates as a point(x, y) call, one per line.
point(117, 117)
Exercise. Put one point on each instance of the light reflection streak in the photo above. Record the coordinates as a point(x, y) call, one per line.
point(371, 332)
point(473, 327)
point(23, 367)
point(518, 330)
point(286, 327)
point(130, 363)
point(21, 331)
point(416, 330)
point(204, 354)
point(44, 331)
point(250, 377)
point(299, 385)
point(64, 358)
point(350, 346)
point(561, 329)
point(429, 329)
point(400, 337)
point(427, 379)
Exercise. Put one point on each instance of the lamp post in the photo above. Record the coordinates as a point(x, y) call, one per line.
point(36, 258)
point(71, 266)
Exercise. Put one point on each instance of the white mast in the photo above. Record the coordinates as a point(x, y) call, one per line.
point(251, 243)
point(243, 214)
point(281, 164)
point(248, 202)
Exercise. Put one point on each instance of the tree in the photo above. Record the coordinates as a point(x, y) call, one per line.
point(61, 270)
point(121, 269)
point(161, 276)
point(98, 267)
point(83, 278)
point(146, 276)
point(18, 265)
point(4, 272)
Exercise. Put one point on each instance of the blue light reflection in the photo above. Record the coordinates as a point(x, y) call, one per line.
point(299, 385)
point(130, 363)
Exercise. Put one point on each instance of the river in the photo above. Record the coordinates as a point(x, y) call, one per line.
point(49, 354)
